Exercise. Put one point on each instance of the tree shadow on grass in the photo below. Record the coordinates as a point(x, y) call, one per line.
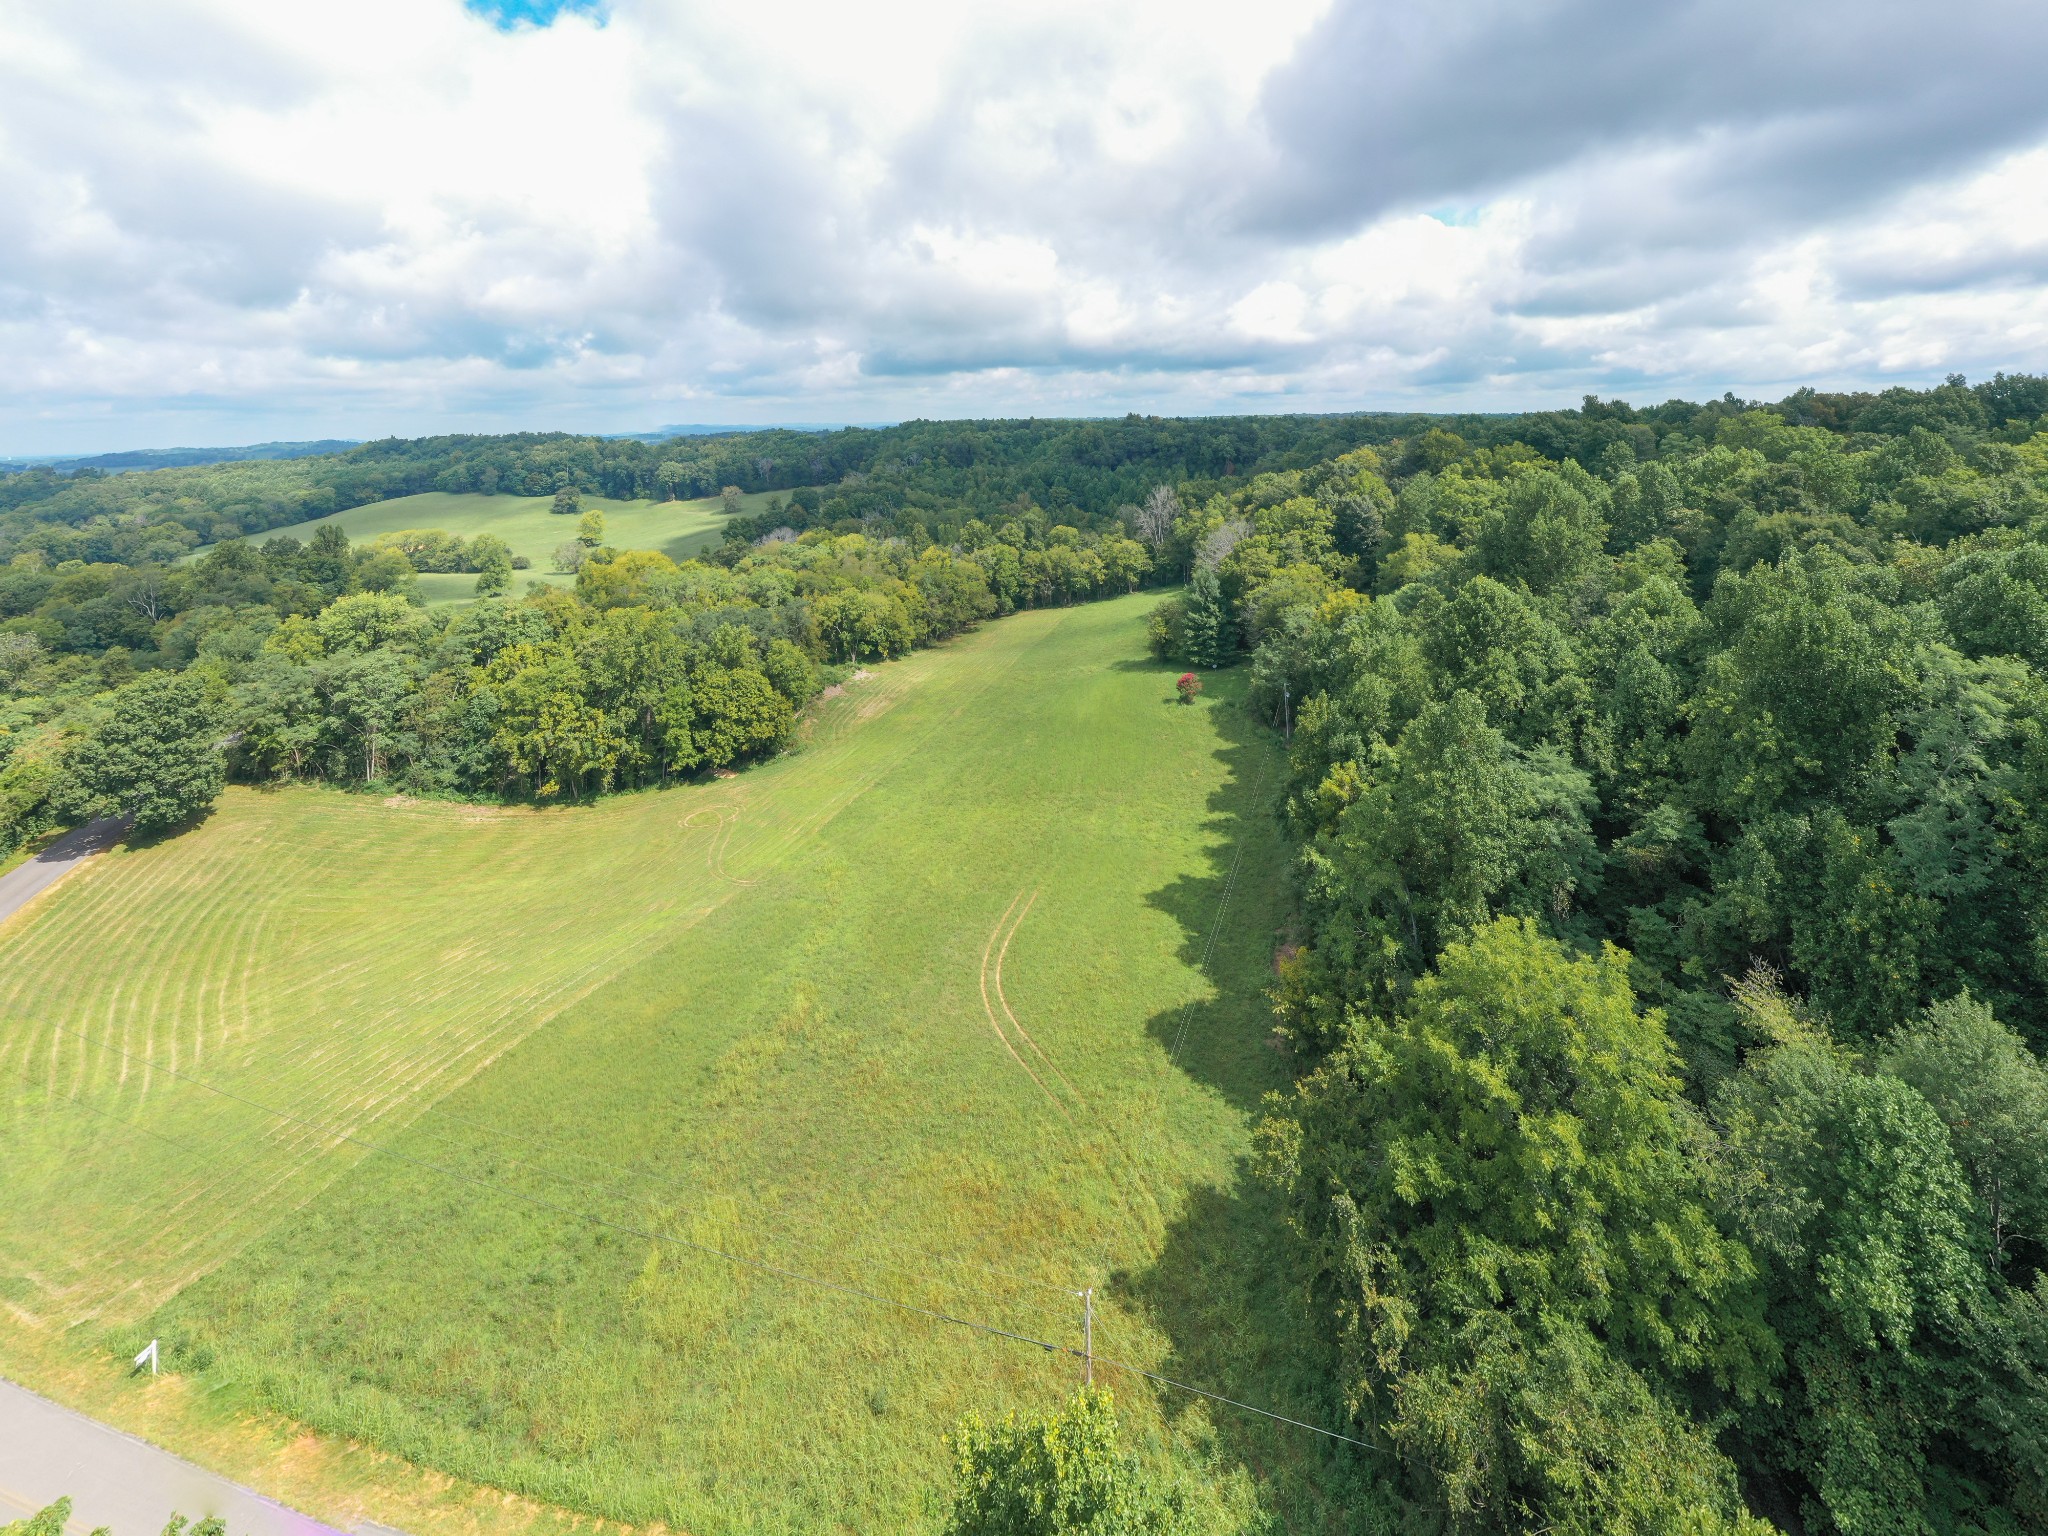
point(1231, 917)
point(153, 837)
point(1227, 1293)
point(1226, 1290)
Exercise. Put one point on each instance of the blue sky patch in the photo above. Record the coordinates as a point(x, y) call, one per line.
point(530, 13)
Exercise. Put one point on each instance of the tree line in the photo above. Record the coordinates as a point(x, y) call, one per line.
point(919, 473)
point(143, 689)
point(1670, 1147)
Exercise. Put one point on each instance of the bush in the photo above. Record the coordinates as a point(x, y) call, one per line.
point(1163, 629)
point(1062, 1474)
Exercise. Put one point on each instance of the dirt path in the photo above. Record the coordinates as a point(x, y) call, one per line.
point(28, 880)
point(47, 1452)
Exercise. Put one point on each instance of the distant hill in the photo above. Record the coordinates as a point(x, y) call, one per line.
point(702, 429)
point(177, 458)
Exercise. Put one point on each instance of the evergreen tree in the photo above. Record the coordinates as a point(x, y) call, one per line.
point(1206, 628)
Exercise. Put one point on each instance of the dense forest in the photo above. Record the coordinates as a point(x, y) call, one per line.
point(1671, 1143)
point(940, 473)
point(1669, 1151)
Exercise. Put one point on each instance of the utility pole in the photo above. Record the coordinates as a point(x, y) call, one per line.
point(1088, 1334)
point(1286, 714)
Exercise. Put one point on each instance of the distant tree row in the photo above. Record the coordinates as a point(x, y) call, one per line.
point(922, 473)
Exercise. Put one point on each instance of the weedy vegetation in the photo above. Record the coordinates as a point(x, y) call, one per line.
point(895, 1011)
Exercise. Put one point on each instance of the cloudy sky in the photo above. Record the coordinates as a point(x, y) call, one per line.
point(230, 220)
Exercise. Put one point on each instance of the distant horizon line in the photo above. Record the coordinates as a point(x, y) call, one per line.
point(312, 447)
point(285, 448)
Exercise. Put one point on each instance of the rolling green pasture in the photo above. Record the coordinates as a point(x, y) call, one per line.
point(677, 528)
point(424, 1125)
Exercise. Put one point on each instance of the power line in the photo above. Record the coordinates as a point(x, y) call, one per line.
point(124, 1126)
point(762, 1265)
point(1218, 1397)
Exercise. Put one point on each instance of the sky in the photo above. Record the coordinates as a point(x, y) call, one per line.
point(227, 221)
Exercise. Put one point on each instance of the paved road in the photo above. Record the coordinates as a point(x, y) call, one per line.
point(116, 1480)
point(29, 879)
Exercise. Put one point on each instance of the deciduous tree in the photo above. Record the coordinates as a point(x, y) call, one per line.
point(1499, 1194)
point(157, 757)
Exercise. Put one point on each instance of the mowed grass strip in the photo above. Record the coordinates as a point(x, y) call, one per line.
point(762, 1016)
point(679, 529)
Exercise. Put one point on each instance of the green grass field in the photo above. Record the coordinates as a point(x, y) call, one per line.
point(678, 529)
point(946, 1005)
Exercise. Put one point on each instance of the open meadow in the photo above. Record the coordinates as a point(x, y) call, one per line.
point(678, 529)
point(517, 1143)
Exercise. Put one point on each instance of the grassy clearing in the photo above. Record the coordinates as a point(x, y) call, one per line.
point(677, 528)
point(896, 1010)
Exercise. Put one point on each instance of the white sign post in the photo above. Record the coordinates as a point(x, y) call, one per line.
point(148, 1358)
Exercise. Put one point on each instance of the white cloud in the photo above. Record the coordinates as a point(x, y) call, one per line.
point(232, 218)
point(1272, 312)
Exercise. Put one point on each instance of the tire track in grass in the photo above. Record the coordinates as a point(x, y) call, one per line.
point(724, 818)
point(222, 940)
point(988, 1009)
point(174, 915)
point(1133, 1214)
point(1023, 1033)
point(33, 955)
point(203, 924)
point(244, 932)
point(724, 845)
point(305, 1152)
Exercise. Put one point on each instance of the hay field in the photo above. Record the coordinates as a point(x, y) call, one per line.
point(678, 529)
point(426, 1125)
